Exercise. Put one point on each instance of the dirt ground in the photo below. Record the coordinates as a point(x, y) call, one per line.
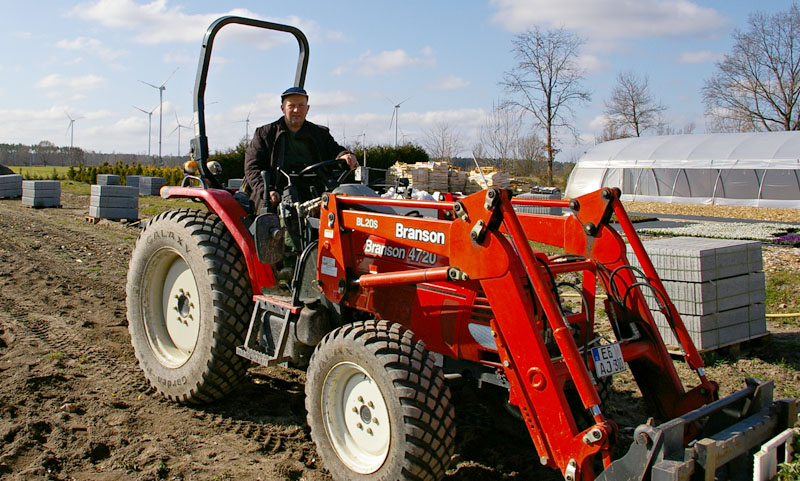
point(74, 404)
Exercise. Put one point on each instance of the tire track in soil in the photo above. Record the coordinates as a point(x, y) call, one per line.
point(127, 378)
point(51, 309)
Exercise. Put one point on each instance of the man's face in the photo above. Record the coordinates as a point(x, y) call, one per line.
point(295, 109)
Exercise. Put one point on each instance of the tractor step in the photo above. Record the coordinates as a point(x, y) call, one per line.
point(266, 306)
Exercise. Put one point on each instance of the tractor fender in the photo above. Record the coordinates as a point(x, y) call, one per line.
point(222, 203)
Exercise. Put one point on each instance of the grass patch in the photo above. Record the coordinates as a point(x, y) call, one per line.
point(40, 172)
point(782, 289)
point(56, 355)
point(790, 470)
point(151, 206)
point(77, 188)
point(546, 248)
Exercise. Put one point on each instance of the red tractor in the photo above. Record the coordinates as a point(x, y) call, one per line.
point(392, 298)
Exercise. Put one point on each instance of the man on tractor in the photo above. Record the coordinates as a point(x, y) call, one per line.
point(286, 146)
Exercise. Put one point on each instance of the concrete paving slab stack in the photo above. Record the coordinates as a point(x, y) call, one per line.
point(114, 202)
point(10, 186)
point(717, 286)
point(41, 193)
point(107, 179)
point(530, 209)
point(150, 185)
point(132, 181)
point(234, 183)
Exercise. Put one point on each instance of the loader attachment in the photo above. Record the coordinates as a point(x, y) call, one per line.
point(470, 280)
point(729, 431)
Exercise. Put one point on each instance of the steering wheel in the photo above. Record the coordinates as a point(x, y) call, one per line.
point(329, 183)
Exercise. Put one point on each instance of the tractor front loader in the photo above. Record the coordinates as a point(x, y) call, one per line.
point(392, 297)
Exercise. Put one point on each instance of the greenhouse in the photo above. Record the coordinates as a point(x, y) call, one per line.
point(750, 169)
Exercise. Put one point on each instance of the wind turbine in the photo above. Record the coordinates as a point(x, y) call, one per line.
point(178, 128)
point(71, 127)
point(395, 118)
point(246, 126)
point(149, 123)
point(160, 89)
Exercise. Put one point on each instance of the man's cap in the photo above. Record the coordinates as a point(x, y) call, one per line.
point(294, 91)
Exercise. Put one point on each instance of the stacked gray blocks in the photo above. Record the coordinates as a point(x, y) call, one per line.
point(150, 185)
point(114, 202)
point(10, 186)
point(132, 181)
point(717, 287)
point(530, 209)
point(41, 193)
point(107, 179)
point(234, 183)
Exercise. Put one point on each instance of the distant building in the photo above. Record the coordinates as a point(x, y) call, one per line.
point(751, 169)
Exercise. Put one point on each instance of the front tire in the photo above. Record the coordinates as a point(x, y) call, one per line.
point(378, 405)
point(188, 296)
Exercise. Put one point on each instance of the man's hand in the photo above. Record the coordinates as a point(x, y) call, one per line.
point(351, 160)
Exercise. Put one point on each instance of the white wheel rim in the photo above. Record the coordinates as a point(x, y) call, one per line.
point(356, 418)
point(172, 310)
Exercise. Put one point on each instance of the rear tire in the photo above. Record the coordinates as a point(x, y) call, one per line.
point(188, 299)
point(378, 370)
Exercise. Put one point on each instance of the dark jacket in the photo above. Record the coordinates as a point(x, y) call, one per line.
point(266, 152)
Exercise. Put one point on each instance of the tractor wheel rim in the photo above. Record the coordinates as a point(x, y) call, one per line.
point(172, 308)
point(356, 418)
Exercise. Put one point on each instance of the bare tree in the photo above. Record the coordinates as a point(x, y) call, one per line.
point(442, 142)
point(631, 107)
point(499, 134)
point(757, 85)
point(531, 154)
point(546, 81)
point(667, 129)
point(611, 131)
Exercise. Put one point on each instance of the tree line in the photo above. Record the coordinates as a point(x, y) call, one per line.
point(45, 153)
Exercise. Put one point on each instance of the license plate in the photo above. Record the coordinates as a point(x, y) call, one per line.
point(608, 360)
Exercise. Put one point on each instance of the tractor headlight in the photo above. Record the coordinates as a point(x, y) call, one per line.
point(190, 167)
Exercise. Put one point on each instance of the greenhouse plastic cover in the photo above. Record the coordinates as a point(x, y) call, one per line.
point(755, 168)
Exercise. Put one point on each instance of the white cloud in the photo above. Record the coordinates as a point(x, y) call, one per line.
point(427, 51)
point(92, 45)
point(450, 83)
point(158, 23)
point(598, 123)
point(384, 62)
point(593, 64)
point(179, 57)
point(699, 56)
point(612, 19)
point(85, 82)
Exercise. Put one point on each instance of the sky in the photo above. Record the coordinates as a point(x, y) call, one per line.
point(444, 60)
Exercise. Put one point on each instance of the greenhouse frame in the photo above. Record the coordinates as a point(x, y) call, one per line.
point(750, 169)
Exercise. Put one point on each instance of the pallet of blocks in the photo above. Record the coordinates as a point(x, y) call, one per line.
point(132, 181)
point(114, 202)
point(41, 193)
point(456, 180)
point(438, 176)
point(716, 285)
point(107, 179)
point(10, 186)
point(417, 174)
point(553, 194)
point(150, 185)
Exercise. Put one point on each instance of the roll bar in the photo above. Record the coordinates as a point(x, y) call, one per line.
point(199, 144)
